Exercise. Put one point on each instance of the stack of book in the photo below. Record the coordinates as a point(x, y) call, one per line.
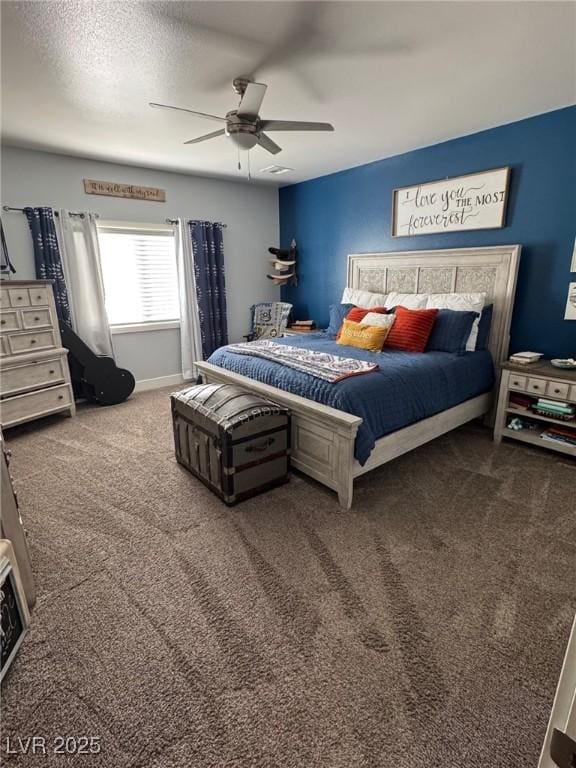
point(525, 358)
point(303, 325)
point(520, 402)
point(555, 409)
point(563, 435)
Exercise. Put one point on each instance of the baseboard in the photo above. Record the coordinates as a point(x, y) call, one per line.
point(174, 380)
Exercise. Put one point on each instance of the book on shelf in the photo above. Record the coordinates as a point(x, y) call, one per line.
point(543, 401)
point(558, 439)
point(561, 410)
point(303, 323)
point(561, 430)
point(520, 402)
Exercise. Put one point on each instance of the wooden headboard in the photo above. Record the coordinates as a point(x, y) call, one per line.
point(453, 270)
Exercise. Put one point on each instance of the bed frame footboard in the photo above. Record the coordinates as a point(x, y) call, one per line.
point(323, 437)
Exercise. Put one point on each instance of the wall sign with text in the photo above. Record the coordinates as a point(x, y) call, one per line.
point(111, 189)
point(474, 201)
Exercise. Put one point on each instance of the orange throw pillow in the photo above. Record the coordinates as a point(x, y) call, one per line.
point(358, 314)
point(411, 329)
point(370, 337)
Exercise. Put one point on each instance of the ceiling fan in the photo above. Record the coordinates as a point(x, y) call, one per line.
point(244, 125)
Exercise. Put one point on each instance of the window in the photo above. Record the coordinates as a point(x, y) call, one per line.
point(139, 273)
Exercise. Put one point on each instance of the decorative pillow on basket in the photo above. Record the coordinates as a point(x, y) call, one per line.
point(411, 329)
point(369, 337)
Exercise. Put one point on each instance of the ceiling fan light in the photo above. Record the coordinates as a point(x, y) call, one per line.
point(244, 140)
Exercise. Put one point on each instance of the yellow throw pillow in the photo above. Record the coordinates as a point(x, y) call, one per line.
point(369, 337)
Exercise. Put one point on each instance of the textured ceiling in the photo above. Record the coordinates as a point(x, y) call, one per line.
point(77, 76)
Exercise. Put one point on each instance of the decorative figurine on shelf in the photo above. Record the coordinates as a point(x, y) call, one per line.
point(284, 264)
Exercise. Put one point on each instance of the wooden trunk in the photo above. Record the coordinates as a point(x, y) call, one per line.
point(236, 442)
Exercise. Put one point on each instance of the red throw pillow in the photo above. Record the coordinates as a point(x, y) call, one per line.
point(358, 314)
point(411, 329)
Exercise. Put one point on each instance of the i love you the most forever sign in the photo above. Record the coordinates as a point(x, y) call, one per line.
point(474, 201)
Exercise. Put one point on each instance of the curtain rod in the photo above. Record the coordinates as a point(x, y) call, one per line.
point(56, 213)
point(188, 221)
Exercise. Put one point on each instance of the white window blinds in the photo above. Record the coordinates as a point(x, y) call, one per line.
point(139, 271)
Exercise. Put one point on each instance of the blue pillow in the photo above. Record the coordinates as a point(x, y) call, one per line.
point(450, 331)
point(484, 327)
point(337, 314)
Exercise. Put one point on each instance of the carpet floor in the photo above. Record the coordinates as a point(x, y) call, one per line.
point(425, 628)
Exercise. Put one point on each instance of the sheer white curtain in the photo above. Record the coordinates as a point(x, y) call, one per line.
point(78, 239)
point(190, 338)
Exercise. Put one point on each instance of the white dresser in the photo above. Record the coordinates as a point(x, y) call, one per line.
point(34, 374)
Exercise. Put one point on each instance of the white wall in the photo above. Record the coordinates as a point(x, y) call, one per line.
point(250, 211)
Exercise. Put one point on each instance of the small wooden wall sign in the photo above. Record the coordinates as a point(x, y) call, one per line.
point(111, 189)
point(473, 201)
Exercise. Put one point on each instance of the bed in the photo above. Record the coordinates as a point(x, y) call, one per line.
point(342, 431)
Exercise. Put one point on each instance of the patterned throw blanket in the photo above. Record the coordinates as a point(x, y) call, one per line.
point(322, 365)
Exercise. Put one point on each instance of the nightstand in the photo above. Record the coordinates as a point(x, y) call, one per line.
point(530, 382)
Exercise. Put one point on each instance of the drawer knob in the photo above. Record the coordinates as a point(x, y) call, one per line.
point(38, 297)
point(36, 319)
point(32, 341)
point(556, 391)
point(3, 322)
point(60, 397)
point(51, 370)
point(19, 298)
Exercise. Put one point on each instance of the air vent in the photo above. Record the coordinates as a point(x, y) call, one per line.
point(276, 169)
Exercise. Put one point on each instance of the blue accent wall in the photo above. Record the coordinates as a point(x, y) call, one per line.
point(350, 212)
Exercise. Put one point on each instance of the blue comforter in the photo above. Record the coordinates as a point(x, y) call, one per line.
point(407, 387)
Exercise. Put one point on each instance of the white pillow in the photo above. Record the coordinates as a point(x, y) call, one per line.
point(376, 318)
point(364, 299)
point(460, 302)
point(408, 300)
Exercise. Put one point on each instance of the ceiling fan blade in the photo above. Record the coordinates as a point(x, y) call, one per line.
point(251, 100)
point(190, 111)
point(266, 143)
point(206, 136)
point(294, 125)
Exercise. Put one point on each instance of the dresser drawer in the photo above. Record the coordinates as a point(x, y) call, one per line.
point(19, 297)
point(4, 298)
point(517, 382)
point(536, 386)
point(20, 378)
point(30, 342)
point(9, 320)
point(558, 389)
point(39, 296)
point(34, 404)
point(36, 318)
